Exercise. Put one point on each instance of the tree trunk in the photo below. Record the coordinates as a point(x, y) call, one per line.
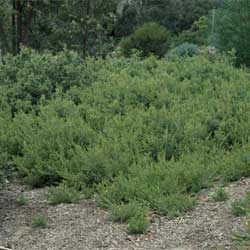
point(86, 29)
point(14, 37)
point(5, 44)
point(19, 24)
point(25, 35)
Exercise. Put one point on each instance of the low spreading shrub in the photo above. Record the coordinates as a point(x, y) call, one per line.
point(174, 205)
point(7, 168)
point(127, 129)
point(125, 212)
point(61, 194)
point(32, 75)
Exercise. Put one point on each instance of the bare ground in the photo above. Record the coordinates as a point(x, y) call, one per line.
point(210, 225)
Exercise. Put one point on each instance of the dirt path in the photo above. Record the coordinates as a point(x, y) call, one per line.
point(85, 227)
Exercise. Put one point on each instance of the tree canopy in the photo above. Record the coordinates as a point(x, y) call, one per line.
point(91, 27)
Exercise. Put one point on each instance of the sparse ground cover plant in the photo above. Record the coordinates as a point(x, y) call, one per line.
point(220, 195)
point(241, 207)
point(243, 236)
point(127, 129)
point(22, 200)
point(40, 221)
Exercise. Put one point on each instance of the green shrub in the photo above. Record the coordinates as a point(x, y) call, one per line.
point(22, 200)
point(241, 207)
point(57, 195)
point(146, 130)
point(7, 149)
point(40, 221)
point(237, 164)
point(138, 223)
point(220, 195)
point(53, 146)
point(30, 76)
point(151, 38)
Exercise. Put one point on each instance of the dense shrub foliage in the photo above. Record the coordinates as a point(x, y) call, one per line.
point(148, 132)
point(29, 76)
point(151, 38)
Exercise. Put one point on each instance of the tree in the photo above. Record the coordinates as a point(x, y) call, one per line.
point(15, 23)
point(233, 29)
point(5, 26)
point(198, 34)
point(90, 27)
point(129, 17)
point(81, 25)
point(175, 15)
point(75, 24)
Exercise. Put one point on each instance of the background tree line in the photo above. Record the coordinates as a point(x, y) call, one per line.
point(92, 27)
